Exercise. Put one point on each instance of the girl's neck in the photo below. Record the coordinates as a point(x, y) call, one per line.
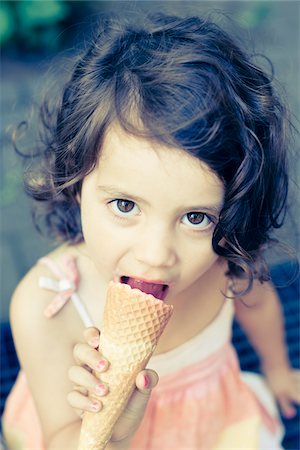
point(193, 313)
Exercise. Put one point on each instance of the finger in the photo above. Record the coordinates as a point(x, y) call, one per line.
point(286, 406)
point(82, 403)
point(80, 389)
point(134, 410)
point(91, 336)
point(296, 379)
point(86, 381)
point(146, 381)
point(80, 412)
point(85, 355)
point(293, 393)
point(295, 387)
point(295, 397)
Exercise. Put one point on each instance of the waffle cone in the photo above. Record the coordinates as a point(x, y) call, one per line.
point(132, 324)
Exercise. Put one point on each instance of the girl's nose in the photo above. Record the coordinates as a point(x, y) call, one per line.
point(155, 248)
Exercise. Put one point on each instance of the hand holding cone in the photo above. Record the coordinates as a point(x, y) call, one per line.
point(132, 324)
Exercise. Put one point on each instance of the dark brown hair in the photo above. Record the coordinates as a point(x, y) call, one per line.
point(187, 84)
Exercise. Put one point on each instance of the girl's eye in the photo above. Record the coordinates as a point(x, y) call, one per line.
point(122, 207)
point(197, 220)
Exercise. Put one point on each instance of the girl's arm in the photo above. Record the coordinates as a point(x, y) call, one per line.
point(44, 349)
point(260, 315)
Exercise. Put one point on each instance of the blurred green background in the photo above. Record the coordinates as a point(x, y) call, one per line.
point(37, 41)
point(41, 26)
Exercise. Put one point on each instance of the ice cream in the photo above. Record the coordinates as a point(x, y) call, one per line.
point(132, 324)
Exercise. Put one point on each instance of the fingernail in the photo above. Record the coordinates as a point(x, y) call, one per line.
point(101, 389)
point(290, 413)
point(146, 381)
point(94, 342)
point(101, 365)
point(95, 406)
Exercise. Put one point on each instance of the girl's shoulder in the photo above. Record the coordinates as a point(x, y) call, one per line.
point(28, 285)
point(29, 300)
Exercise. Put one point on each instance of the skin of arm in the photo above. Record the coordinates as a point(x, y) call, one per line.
point(44, 347)
point(260, 315)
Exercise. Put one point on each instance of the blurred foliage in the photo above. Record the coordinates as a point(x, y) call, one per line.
point(254, 14)
point(38, 25)
point(7, 25)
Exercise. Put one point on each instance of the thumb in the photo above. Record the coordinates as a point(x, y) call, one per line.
point(134, 411)
point(146, 381)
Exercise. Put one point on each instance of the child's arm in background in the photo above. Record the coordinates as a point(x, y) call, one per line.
point(260, 315)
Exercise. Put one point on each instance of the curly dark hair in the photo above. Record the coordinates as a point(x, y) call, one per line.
point(185, 83)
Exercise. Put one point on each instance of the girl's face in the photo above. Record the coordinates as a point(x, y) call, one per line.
point(148, 213)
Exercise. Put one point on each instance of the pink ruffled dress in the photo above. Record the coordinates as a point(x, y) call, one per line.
point(202, 401)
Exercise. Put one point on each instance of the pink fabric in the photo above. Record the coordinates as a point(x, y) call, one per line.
point(193, 407)
point(21, 424)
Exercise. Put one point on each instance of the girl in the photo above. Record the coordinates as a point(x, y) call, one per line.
point(164, 166)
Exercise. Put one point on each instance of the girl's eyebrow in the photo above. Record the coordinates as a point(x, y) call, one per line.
point(212, 209)
point(115, 192)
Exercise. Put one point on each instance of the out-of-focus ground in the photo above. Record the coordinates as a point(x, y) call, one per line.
point(270, 27)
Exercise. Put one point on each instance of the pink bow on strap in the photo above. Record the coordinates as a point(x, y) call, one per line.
point(65, 285)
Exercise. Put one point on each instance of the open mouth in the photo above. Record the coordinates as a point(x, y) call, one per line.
point(158, 291)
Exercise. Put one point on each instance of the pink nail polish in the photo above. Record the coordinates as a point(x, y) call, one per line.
point(95, 406)
point(146, 381)
point(101, 365)
point(101, 389)
point(290, 413)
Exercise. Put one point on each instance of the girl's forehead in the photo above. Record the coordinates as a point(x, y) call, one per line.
point(119, 143)
point(128, 160)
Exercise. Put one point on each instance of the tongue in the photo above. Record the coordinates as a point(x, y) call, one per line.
point(158, 291)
